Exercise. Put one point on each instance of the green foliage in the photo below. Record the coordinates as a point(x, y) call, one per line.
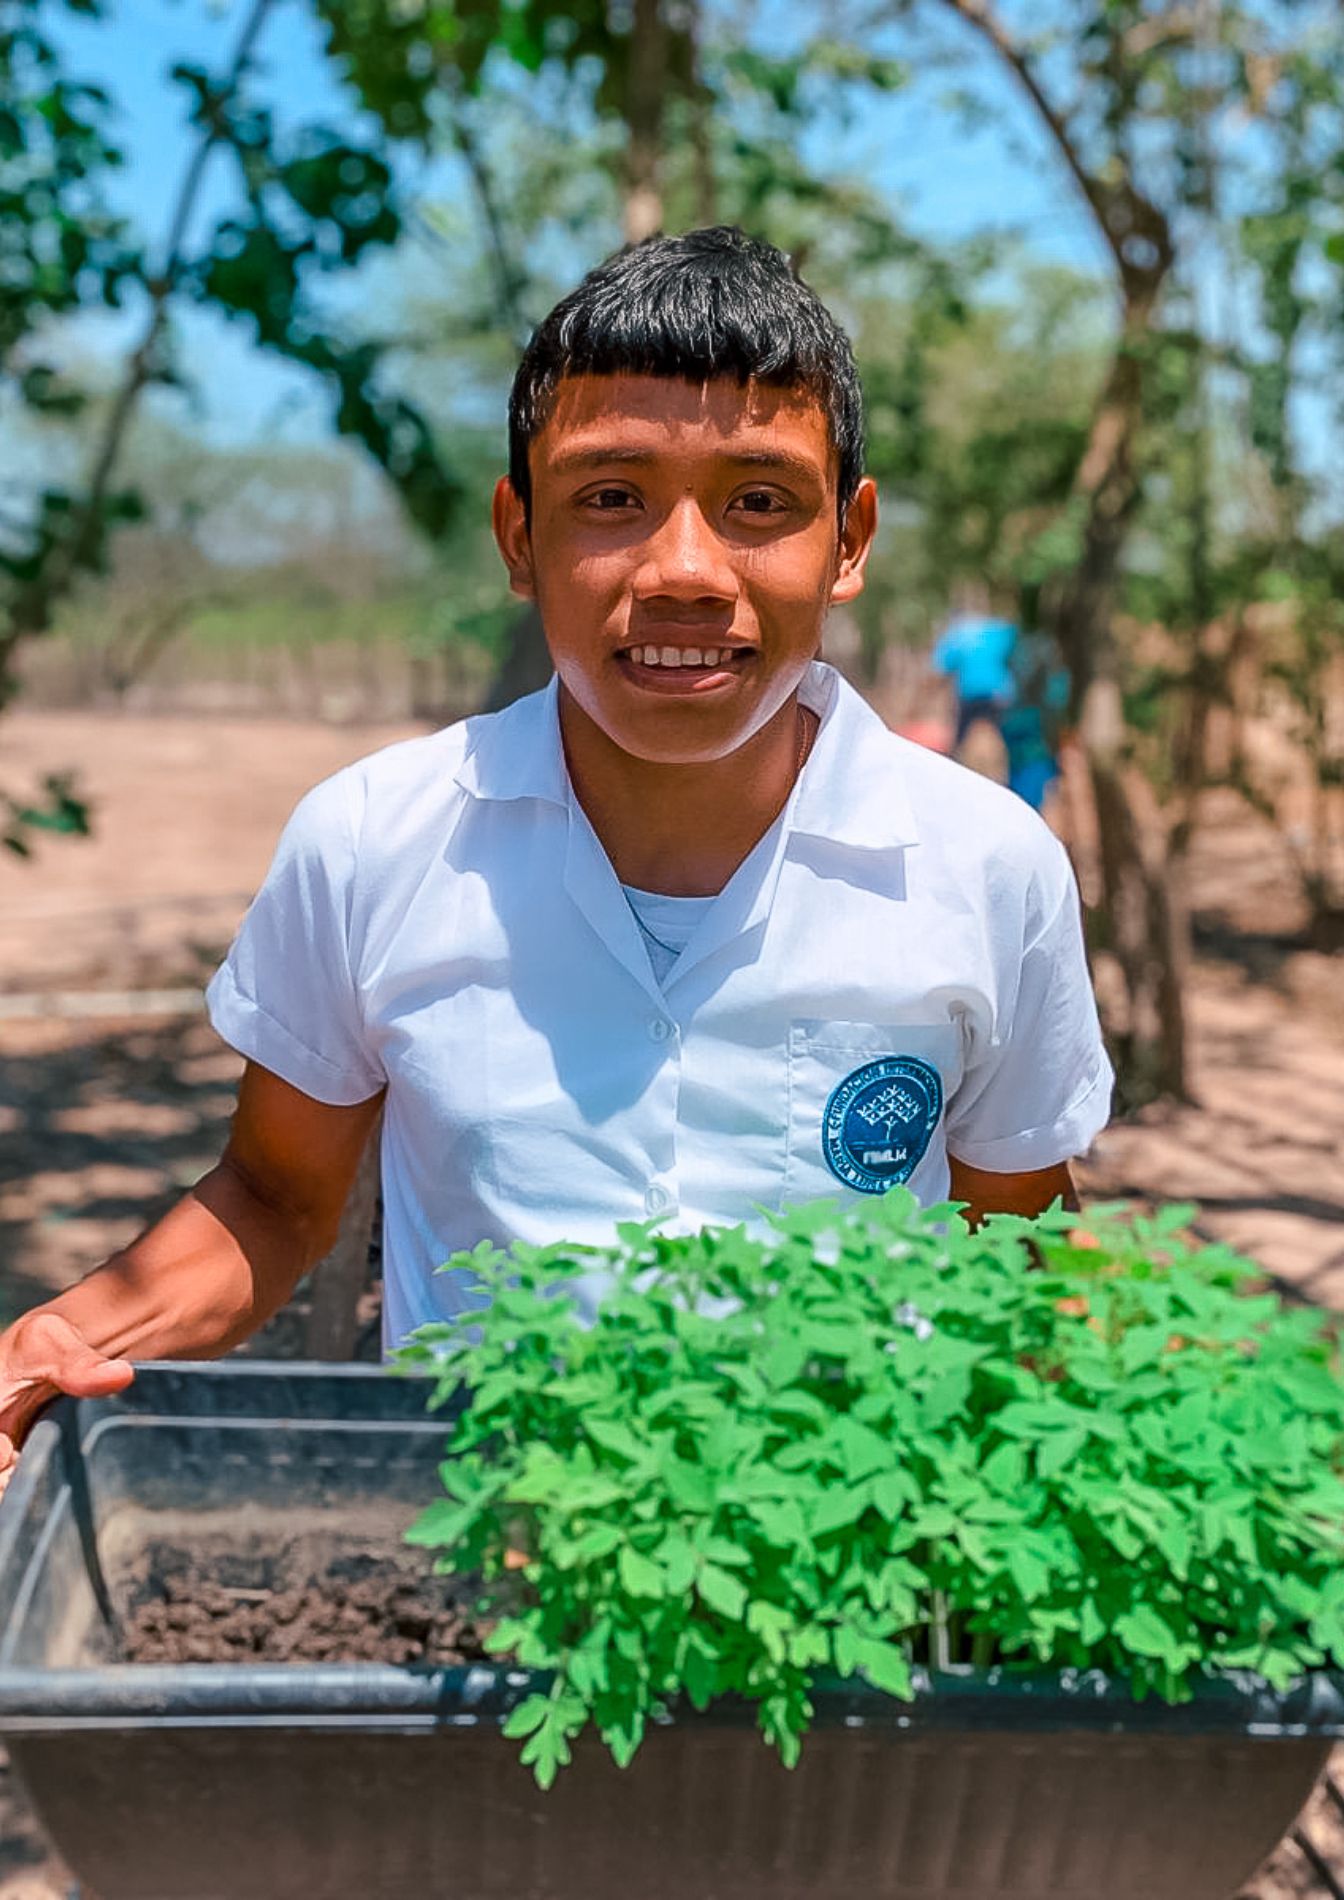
point(311, 205)
point(59, 246)
point(316, 204)
point(890, 1443)
point(979, 369)
point(60, 250)
point(59, 809)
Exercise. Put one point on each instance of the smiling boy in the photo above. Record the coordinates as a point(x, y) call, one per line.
point(688, 934)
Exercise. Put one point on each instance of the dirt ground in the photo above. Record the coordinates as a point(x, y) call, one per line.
point(105, 1117)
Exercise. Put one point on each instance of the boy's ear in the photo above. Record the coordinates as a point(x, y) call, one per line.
point(509, 520)
point(856, 542)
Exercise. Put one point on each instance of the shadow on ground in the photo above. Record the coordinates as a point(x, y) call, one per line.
point(102, 1130)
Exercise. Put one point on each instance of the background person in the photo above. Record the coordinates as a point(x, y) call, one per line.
point(1009, 679)
point(975, 652)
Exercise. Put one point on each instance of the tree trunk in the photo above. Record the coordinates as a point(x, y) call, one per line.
point(701, 104)
point(340, 1278)
point(1140, 920)
point(525, 666)
point(646, 91)
point(1107, 484)
point(1137, 916)
point(1143, 923)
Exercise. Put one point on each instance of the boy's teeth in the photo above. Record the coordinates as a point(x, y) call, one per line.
point(678, 656)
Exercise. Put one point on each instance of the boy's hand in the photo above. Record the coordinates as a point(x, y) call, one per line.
point(42, 1356)
point(991, 1193)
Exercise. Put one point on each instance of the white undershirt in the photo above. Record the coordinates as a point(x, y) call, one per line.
point(667, 924)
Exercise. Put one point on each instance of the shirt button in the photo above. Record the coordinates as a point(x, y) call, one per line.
point(657, 1200)
point(659, 1029)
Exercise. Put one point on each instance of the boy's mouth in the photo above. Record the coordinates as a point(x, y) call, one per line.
point(665, 668)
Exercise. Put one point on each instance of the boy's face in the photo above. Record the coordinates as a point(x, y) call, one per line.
point(684, 549)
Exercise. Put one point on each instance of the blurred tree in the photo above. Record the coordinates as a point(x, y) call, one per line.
point(978, 371)
point(314, 204)
point(59, 247)
point(1126, 93)
point(1093, 120)
point(1293, 240)
point(1240, 558)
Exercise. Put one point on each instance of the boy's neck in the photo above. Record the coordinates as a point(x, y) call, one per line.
point(684, 829)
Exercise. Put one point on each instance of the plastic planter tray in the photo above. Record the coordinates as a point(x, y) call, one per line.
point(219, 1782)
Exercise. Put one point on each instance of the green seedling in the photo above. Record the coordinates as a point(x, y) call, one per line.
point(867, 1441)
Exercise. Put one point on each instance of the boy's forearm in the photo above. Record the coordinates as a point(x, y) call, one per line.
point(203, 1278)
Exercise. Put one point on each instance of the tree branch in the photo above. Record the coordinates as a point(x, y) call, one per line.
point(980, 17)
point(1120, 211)
point(508, 279)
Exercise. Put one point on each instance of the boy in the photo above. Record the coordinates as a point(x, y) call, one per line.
point(687, 934)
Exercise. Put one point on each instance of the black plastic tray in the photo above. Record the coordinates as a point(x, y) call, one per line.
point(218, 1781)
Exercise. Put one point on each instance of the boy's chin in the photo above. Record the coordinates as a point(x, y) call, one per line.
point(667, 728)
point(688, 739)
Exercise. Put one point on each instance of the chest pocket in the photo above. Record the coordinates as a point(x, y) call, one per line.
point(866, 1108)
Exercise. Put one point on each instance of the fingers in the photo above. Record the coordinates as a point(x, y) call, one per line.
point(50, 1353)
point(86, 1374)
point(78, 1370)
point(42, 1357)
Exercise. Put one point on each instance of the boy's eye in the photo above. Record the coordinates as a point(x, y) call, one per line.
point(609, 500)
point(760, 501)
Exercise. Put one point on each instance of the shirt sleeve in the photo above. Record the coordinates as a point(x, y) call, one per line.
point(286, 996)
point(1039, 1090)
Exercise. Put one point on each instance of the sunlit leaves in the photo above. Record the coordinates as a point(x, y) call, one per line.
point(894, 1444)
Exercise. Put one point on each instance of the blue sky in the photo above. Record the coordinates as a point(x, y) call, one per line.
point(949, 182)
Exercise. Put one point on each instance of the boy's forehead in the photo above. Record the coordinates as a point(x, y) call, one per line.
point(601, 418)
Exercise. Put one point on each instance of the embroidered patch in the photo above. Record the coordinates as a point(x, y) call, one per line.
point(879, 1121)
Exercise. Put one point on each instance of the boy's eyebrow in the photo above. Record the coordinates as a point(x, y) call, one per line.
point(567, 461)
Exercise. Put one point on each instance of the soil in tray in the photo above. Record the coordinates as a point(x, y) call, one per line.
point(187, 1606)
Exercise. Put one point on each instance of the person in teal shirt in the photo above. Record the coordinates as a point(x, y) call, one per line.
point(1011, 680)
point(975, 651)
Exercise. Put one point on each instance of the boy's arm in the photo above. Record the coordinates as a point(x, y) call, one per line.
point(1029, 1193)
point(207, 1275)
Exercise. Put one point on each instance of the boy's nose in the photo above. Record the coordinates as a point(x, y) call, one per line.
point(685, 560)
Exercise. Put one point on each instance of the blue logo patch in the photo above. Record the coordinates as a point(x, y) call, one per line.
point(879, 1121)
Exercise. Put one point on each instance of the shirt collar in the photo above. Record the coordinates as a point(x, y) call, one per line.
point(851, 792)
point(517, 753)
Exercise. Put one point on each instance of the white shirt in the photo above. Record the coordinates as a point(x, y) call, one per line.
point(896, 968)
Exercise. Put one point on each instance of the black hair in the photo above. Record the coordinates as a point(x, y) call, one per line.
point(711, 303)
